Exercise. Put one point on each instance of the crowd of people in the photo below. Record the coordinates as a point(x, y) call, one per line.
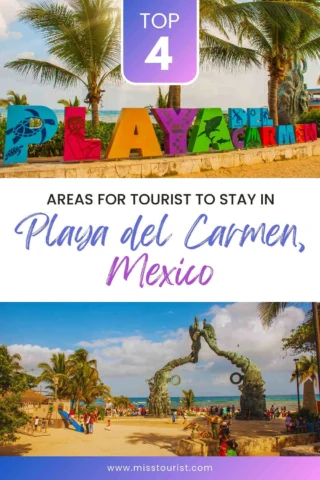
point(296, 423)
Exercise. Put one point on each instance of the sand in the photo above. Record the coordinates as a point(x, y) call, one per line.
point(128, 437)
point(299, 168)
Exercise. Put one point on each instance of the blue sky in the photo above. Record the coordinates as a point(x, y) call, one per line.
point(131, 341)
point(70, 323)
point(213, 88)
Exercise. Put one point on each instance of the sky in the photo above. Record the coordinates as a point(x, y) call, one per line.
point(213, 88)
point(131, 341)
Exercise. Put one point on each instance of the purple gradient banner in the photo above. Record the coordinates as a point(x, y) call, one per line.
point(240, 468)
point(160, 41)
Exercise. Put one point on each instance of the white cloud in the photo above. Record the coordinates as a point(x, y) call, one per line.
point(125, 362)
point(8, 14)
point(26, 55)
point(32, 355)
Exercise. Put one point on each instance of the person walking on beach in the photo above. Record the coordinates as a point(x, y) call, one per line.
point(108, 425)
point(185, 417)
point(86, 422)
point(173, 416)
point(91, 422)
point(36, 423)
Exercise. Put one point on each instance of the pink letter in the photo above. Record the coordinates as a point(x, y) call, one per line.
point(76, 146)
point(310, 130)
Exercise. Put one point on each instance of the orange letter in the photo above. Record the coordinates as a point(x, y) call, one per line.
point(300, 133)
point(134, 130)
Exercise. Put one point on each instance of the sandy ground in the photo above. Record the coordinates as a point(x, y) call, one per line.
point(300, 168)
point(128, 437)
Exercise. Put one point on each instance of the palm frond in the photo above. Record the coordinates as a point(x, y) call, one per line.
point(220, 53)
point(268, 312)
point(46, 72)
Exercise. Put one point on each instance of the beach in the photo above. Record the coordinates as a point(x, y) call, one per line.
point(297, 168)
point(135, 436)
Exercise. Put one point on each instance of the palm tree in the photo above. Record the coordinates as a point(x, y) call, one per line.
point(269, 311)
point(121, 402)
point(12, 360)
point(307, 368)
point(214, 14)
point(84, 35)
point(85, 384)
point(69, 103)
point(13, 98)
point(55, 374)
point(188, 398)
point(278, 45)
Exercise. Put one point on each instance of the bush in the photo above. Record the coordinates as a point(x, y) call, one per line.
point(313, 116)
point(54, 147)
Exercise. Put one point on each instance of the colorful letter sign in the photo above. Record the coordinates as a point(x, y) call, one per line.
point(134, 131)
point(160, 41)
point(76, 146)
point(27, 125)
point(210, 131)
point(175, 124)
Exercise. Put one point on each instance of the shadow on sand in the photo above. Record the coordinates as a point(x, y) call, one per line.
point(15, 450)
point(164, 442)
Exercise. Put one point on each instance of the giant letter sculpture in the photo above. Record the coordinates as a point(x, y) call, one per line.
point(76, 146)
point(210, 131)
point(175, 124)
point(285, 135)
point(27, 125)
point(134, 130)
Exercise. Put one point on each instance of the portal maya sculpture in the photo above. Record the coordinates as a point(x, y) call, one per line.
point(249, 381)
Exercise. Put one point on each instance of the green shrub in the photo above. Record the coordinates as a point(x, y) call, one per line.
point(311, 117)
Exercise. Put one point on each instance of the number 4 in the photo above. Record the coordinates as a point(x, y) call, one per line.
point(160, 54)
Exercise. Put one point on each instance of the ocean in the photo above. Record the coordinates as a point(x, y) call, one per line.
point(288, 401)
point(107, 116)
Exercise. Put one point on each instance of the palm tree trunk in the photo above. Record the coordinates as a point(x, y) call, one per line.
point(95, 113)
point(316, 324)
point(273, 99)
point(174, 98)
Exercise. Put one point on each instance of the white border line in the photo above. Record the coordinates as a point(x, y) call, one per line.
point(157, 83)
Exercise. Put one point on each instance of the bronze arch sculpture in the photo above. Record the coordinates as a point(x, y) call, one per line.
point(250, 381)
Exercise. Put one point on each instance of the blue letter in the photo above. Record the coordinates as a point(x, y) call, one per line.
point(27, 125)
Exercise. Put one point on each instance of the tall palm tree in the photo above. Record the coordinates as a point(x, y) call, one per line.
point(85, 384)
point(307, 368)
point(55, 374)
point(269, 312)
point(277, 45)
point(84, 35)
point(221, 52)
point(13, 98)
point(188, 399)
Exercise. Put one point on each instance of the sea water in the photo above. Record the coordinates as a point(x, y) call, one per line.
point(288, 401)
point(107, 116)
